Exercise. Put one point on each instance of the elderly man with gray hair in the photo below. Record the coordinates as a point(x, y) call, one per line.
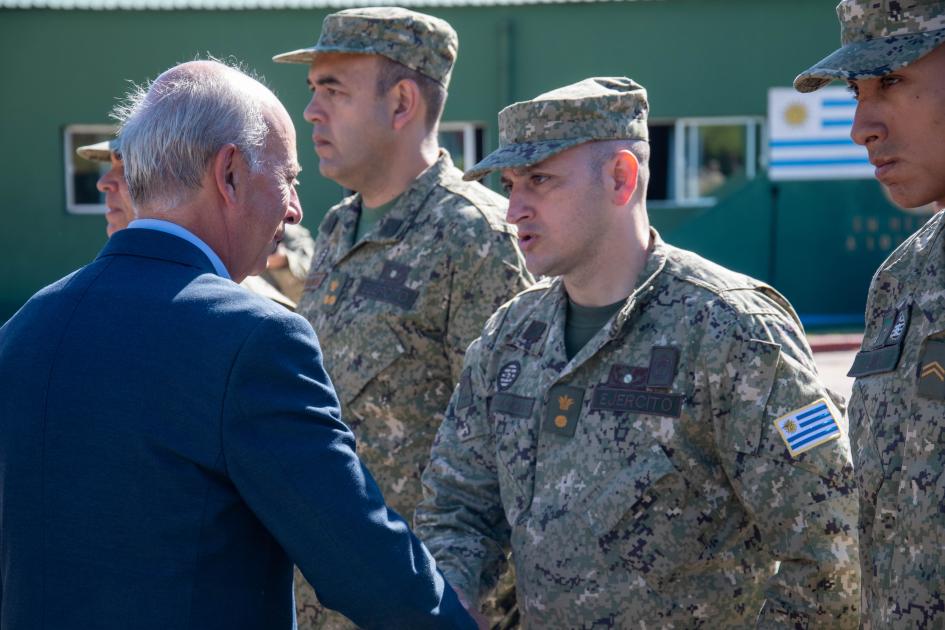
point(180, 494)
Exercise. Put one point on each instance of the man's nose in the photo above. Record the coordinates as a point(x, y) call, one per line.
point(868, 126)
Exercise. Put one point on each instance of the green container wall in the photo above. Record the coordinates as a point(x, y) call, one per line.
point(696, 58)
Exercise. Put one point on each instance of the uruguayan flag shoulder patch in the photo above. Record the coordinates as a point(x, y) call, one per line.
point(809, 426)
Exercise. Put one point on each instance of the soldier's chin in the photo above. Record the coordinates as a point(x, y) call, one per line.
point(898, 196)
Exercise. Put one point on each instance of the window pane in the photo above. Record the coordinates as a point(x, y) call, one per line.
point(81, 174)
point(661, 144)
point(721, 157)
point(452, 141)
point(85, 173)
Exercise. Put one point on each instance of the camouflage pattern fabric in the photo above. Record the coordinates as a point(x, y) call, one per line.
point(878, 37)
point(897, 435)
point(394, 315)
point(419, 41)
point(643, 483)
point(298, 247)
point(599, 108)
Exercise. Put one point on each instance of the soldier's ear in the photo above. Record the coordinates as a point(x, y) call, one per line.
point(223, 170)
point(623, 169)
point(408, 103)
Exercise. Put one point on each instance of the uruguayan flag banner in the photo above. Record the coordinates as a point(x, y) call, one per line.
point(809, 426)
point(809, 136)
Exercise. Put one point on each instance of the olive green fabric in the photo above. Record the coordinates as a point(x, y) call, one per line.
point(583, 322)
point(369, 217)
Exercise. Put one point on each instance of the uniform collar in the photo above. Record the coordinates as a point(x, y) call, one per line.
point(341, 225)
point(549, 311)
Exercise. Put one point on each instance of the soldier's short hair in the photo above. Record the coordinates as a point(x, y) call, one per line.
point(390, 73)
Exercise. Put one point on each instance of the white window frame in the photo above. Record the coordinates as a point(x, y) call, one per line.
point(69, 157)
point(469, 138)
point(684, 159)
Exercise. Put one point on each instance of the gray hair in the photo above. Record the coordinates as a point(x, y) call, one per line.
point(172, 127)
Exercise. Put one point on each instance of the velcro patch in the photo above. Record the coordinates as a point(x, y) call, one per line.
point(464, 393)
point(932, 370)
point(809, 426)
point(564, 410)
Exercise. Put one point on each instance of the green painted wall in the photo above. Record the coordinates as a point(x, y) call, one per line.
point(697, 58)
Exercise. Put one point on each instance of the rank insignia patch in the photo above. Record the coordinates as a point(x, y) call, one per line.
point(508, 375)
point(337, 283)
point(564, 409)
point(931, 382)
point(809, 426)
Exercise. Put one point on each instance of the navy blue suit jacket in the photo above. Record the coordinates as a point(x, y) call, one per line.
point(169, 445)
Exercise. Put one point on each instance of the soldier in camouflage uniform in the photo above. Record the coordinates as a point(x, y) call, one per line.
point(397, 301)
point(893, 58)
point(288, 267)
point(653, 476)
point(121, 212)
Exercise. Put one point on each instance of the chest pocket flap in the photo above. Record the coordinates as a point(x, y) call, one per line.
point(629, 491)
point(362, 358)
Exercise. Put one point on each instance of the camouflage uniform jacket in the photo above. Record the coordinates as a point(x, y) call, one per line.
point(298, 247)
point(643, 483)
point(395, 312)
point(897, 434)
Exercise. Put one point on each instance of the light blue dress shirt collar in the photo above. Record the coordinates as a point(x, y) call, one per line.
point(181, 232)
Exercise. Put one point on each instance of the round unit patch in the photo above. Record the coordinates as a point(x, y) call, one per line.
point(508, 375)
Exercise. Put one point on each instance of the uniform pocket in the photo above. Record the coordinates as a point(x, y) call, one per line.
point(627, 494)
point(646, 519)
point(364, 357)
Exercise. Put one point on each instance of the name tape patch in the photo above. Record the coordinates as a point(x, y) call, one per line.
point(620, 399)
point(809, 426)
point(513, 405)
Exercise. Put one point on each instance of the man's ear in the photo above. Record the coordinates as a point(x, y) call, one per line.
point(407, 101)
point(623, 169)
point(225, 172)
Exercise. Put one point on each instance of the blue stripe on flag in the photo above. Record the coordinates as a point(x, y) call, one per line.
point(826, 142)
point(836, 122)
point(815, 437)
point(811, 421)
point(838, 102)
point(801, 438)
point(817, 409)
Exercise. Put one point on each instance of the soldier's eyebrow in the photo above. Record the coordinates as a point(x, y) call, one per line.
point(327, 80)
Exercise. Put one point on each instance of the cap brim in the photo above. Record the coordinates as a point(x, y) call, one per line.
point(520, 155)
point(869, 59)
point(307, 55)
point(99, 152)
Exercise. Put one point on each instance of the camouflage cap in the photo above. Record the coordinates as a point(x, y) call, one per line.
point(878, 37)
point(98, 152)
point(599, 108)
point(419, 41)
